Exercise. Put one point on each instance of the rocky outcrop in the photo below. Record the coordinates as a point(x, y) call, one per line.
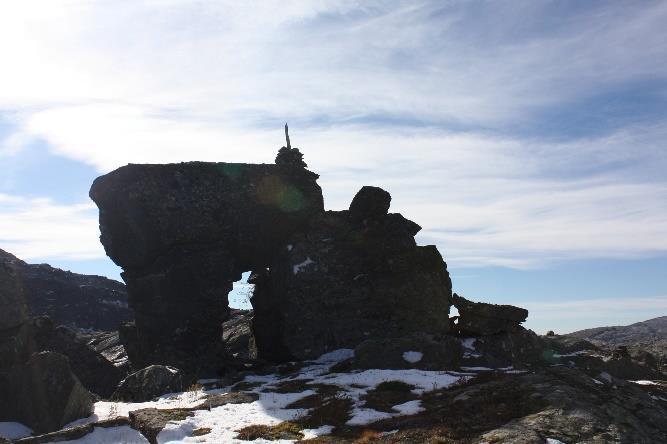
point(479, 318)
point(149, 383)
point(107, 344)
point(640, 337)
point(37, 388)
point(183, 233)
point(350, 276)
point(619, 362)
point(95, 372)
point(76, 300)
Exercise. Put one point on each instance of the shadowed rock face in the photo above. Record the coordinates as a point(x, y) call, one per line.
point(183, 233)
point(36, 388)
point(13, 310)
point(352, 275)
point(480, 318)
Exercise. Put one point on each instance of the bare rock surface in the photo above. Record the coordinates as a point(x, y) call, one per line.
point(96, 373)
point(48, 395)
point(13, 309)
point(149, 383)
point(480, 318)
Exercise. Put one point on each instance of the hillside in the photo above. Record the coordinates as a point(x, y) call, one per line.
point(650, 335)
point(646, 331)
point(76, 300)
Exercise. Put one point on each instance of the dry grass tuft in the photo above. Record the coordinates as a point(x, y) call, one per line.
point(284, 430)
point(290, 386)
point(201, 431)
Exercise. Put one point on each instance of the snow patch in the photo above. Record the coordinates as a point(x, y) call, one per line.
point(296, 269)
point(412, 356)
point(362, 416)
point(409, 408)
point(14, 430)
point(469, 350)
point(314, 433)
point(645, 382)
point(271, 407)
point(99, 435)
point(468, 343)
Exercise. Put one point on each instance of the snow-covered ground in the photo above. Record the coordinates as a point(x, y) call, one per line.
point(14, 430)
point(271, 407)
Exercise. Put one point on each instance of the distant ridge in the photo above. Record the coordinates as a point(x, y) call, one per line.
point(76, 300)
point(646, 331)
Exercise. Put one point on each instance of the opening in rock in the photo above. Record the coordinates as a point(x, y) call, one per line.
point(240, 295)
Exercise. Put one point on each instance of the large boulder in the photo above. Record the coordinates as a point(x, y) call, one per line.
point(149, 383)
point(347, 279)
point(183, 233)
point(95, 372)
point(479, 318)
point(48, 395)
point(370, 203)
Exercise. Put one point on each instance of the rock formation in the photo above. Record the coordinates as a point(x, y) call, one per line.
point(350, 276)
point(76, 300)
point(480, 318)
point(37, 387)
point(183, 233)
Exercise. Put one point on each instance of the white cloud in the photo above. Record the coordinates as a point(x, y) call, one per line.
point(108, 83)
point(39, 228)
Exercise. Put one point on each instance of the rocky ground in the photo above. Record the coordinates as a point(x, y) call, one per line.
point(327, 401)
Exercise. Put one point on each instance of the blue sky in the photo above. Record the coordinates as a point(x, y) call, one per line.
point(527, 138)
